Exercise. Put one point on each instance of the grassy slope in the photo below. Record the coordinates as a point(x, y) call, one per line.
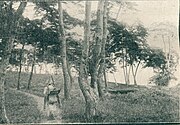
point(20, 108)
point(140, 106)
point(37, 85)
point(144, 105)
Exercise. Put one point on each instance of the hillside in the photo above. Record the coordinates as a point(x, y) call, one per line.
point(142, 105)
point(21, 108)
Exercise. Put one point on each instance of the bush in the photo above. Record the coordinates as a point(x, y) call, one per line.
point(162, 79)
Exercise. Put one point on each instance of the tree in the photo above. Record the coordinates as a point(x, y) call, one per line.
point(30, 33)
point(21, 36)
point(64, 51)
point(90, 109)
point(96, 49)
point(33, 61)
point(101, 70)
point(127, 44)
point(123, 6)
point(166, 32)
point(137, 46)
point(164, 71)
point(20, 66)
point(59, 22)
point(46, 41)
point(9, 27)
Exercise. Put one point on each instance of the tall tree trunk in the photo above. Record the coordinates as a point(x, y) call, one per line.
point(105, 80)
point(93, 76)
point(70, 76)
point(124, 69)
point(134, 76)
point(124, 72)
point(3, 66)
point(96, 58)
point(20, 66)
point(32, 68)
point(30, 77)
point(90, 109)
point(64, 55)
point(135, 72)
point(128, 73)
point(102, 55)
point(99, 85)
point(3, 114)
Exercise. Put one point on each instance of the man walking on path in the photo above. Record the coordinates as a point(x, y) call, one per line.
point(51, 99)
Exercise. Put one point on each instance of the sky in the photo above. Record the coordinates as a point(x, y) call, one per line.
point(149, 13)
point(153, 11)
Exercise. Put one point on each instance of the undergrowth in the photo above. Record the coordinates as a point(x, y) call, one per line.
point(143, 105)
point(21, 108)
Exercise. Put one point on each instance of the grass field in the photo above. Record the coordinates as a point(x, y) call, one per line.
point(21, 108)
point(37, 85)
point(143, 105)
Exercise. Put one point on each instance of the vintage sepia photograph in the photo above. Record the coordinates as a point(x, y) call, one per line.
point(89, 61)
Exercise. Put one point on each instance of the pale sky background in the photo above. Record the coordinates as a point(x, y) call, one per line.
point(149, 12)
point(153, 11)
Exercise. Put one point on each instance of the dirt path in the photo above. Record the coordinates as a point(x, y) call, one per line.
point(40, 101)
